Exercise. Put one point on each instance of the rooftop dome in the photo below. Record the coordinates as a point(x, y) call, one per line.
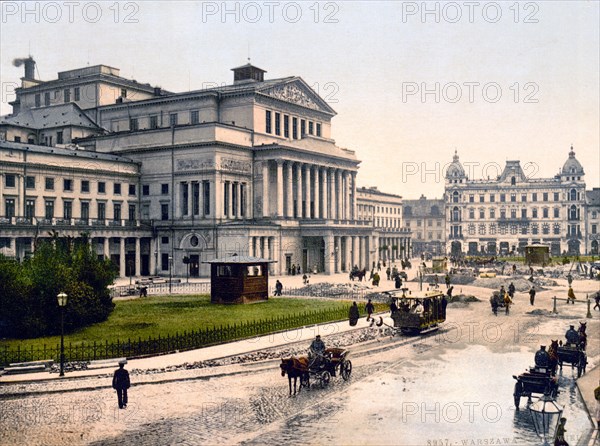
point(455, 169)
point(572, 166)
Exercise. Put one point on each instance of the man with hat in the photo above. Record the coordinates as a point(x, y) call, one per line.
point(121, 383)
point(316, 352)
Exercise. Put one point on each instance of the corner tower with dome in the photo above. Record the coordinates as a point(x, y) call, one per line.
point(502, 215)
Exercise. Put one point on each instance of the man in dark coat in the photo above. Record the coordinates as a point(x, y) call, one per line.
point(532, 295)
point(121, 384)
point(353, 314)
point(370, 308)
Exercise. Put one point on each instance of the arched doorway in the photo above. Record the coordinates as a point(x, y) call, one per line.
point(456, 248)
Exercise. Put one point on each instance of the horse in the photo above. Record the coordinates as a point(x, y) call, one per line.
point(295, 368)
point(360, 274)
point(553, 352)
point(582, 335)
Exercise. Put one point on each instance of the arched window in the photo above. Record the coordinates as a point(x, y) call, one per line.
point(455, 214)
point(513, 181)
point(455, 197)
point(573, 196)
point(573, 213)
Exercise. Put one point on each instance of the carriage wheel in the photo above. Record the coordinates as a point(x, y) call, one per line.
point(346, 370)
point(324, 378)
point(517, 395)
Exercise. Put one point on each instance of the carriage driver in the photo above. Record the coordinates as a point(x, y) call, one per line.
point(572, 336)
point(542, 357)
point(315, 352)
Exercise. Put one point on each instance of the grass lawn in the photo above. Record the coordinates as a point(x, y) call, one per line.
point(167, 315)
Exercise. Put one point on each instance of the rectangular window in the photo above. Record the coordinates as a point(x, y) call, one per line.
point(545, 212)
point(164, 261)
point(9, 207)
point(17, 139)
point(101, 187)
point(482, 198)
point(30, 182)
point(513, 198)
point(302, 127)
point(194, 117)
point(29, 209)
point(545, 196)
point(196, 198)
point(286, 126)
point(49, 214)
point(132, 212)
point(523, 213)
point(164, 240)
point(67, 185)
point(67, 210)
point(492, 198)
point(534, 212)
point(206, 187)
point(59, 137)
point(268, 121)
point(502, 198)
point(556, 196)
point(310, 127)
point(524, 198)
point(492, 213)
point(242, 199)
point(145, 189)
point(164, 188)
point(145, 212)
point(123, 93)
point(471, 198)
point(184, 198)
point(133, 124)
point(173, 119)
point(153, 122)
point(534, 196)
point(164, 211)
point(295, 128)
point(132, 190)
point(277, 123)
point(318, 129)
point(117, 188)
point(67, 95)
point(117, 211)
point(556, 212)
point(101, 211)
point(594, 229)
point(85, 210)
point(226, 198)
point(85, 186)
point(77, 94)
point(47, 99)
point(38, 100)
point(234, 199)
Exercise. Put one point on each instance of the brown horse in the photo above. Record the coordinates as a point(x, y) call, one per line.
point(295, 368)
point(553, 352)
point(582, 335)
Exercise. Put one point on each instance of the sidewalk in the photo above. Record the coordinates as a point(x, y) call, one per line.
point(303, 334)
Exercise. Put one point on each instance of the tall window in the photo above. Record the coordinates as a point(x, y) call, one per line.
point(132, 212)
point(9, 207)
point(85, 210)
point(184, 199)
point(117, 211)
point(545, 196)
point(523, 213)
point(242, 199)
point(545, 212)
point(173, 119)
point(573, 195)
point(101, 211)
point(117, 189)
point(60, 137)
point(226, 198)
point(134, 124)
point(318, 129)
point(85, 185)
point(49, 214)
point(196, 198)
point(30, 182)
point(492, 213)
point(101, 187)
point(310, 127)
point(154, 122)
point(77, 94)
point(206, 191)
point(164, 211)
point(277, 123)
point(302, 127)
point(194, 117)
point(67, 94)
point(38, 100)
point(67, 184)
point(286, 126)
point(534, 212)
point(29, 208)
point(67, 210)
point(556, 212)
point(47, 99)
point(295, 128)
point(268, 124)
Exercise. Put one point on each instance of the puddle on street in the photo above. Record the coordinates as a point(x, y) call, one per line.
point(463, 397)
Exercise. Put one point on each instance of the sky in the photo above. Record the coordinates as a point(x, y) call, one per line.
point(411, 82)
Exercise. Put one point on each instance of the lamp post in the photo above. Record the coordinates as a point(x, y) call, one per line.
point(62, 303)
point(546, 415)
point(170, 274)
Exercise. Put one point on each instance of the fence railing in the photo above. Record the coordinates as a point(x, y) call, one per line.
point(179, 341)
point(334, 293)
point(162, 289)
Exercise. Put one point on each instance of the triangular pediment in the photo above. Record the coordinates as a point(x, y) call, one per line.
point(297, 92)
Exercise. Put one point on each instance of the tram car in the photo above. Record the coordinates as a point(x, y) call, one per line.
point(419, 312)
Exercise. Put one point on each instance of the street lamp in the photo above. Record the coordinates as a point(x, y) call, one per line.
point(62, 303)
point(170, 274)
point(546, 415)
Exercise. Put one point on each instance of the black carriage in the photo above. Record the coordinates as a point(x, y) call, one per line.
point(420, 312)
point(537, 380)
point(333, 361)
point(573, 355)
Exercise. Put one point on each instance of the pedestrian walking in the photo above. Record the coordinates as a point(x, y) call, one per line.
point(278, 288)
point(449, 292)
point(293, 270)
point(378, 266)
point(376, 279)
point(121, 384)
point(511, 290)
point(353, 314)
point(369, 308)
point(569, 279)
point(507, 303)
point(560, 433)
point(532, 295)
point(571, 296)
point(494, 302)
point(305, 279)
point(597, 298)
point(398, 282)
point(447, 280)
point(388, 271)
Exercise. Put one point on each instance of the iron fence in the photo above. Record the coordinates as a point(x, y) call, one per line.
point(160, 289)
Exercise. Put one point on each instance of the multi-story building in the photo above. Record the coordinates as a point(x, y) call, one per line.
point(248, 168)
point(502, 215)
point(592, 233)
point(426, 219)
point(384, 212)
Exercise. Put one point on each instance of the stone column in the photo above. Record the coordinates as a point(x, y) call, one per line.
point(106, 248)
point(338, 194)
point(329, 254)
point(280, 188)
point(317, 197)
point(265, 188)
point(344, 194)
point(289, 212)
point(152, 270)
point(299, 190)
point(353, 215)
point(229, 199)
point(325, 213)
point(217, 197)
point(355, 251)
point(308, 191)
point(138, 256)
point(200, 200)
point(262, 248)
point(332, 198)
point(122, 271)
point(347, 250)
point(337, 252)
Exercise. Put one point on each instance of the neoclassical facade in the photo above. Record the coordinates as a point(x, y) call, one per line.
point(426, 219)
point(502, 215)
point(249, 168)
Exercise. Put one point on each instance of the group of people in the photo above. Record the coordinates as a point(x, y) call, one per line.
point(294, 269)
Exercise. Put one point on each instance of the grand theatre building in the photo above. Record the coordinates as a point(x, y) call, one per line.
point(157, 177)
point(500, 216)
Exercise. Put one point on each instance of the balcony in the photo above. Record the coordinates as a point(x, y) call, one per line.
point(456, 237)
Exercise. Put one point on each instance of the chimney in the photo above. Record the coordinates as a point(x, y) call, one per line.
point(29, 67)
point(157, 91)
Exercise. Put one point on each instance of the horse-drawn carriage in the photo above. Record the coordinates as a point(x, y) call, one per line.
point(418, 313)
point(358, 274)
point(573, 351)
point(539, 379)
point(332, 362)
